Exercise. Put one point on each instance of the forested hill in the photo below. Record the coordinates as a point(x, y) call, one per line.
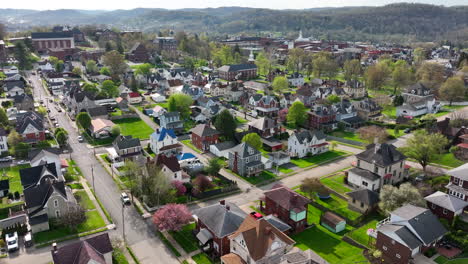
point(392, 22)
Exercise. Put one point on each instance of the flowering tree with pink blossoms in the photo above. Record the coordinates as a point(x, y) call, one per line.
point(172, 217)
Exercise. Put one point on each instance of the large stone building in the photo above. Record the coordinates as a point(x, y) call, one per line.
point(42, 41)
point(238, 72)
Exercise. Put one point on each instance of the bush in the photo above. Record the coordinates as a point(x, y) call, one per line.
point(10, 196)
point(17, 195)
point(430, 252)
point(181, 199)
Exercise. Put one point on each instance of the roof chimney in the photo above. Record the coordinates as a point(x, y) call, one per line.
point(267, 230)
point(54, 246)
point(377, 144)
point(222, 202)
point(228, 208)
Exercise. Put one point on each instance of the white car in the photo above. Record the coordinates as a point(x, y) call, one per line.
point(80, 139)
point(12, 241)
point(125, 199)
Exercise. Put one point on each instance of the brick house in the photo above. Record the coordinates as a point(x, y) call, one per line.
point(289, 206)
point(215, 223)
point(138, 53)
point(238, 71)
point(409, 231)
point(267, 106)
point(97, 249)
point(42, 41)
point(455, 201)
point(203, 136)
point(323, 118)
point(31, 127)
point(265, 127)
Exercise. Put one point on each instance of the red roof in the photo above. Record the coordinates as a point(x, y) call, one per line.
point(134, 94)
point(388, 176)
point(320, 145)
point(64, 163)
point(407, 166)
point(463, 145)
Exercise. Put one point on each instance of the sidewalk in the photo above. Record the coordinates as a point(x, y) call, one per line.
point(184, 255)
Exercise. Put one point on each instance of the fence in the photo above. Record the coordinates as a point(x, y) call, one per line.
point(346, 141)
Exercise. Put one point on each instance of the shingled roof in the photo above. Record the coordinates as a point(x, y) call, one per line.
point(204, 130)
point(171, 162)
point(366, 196)
point(221, 219)
point(91, 250)
point(287, 198)
point(31, 176)
point(29, 118)
point(237, 67)
point(381, 154)
point(38, 195)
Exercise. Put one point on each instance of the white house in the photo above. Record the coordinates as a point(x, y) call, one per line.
point(101, 128)
point(3, 141)
point(307, 142)
point(171, 168)
point(222, 149)
point(158, 98)
point(158, 111)
point(16, 90)
point(164, 141)
point(134, 98)
point(418, 100)
point(296, 79)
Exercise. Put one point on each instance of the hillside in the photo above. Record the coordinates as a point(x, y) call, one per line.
point(396, 22)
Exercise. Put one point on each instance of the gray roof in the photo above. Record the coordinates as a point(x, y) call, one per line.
point(381, 154)
point(446, 201)
point(276, 222)
point(97, 111)
point(125, 142)
point(219, 219)
point(308, 135)
point(460, 172)
point(204, 130)
point(224, 145)
point(38, 195)
point(401, 234)
point(365, 173)
point(243, 150)
point(41, 35)
point(366, 196)
point(424, 223)
point(237, 67)
point(31, 176)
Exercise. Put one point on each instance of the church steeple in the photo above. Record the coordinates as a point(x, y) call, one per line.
point(251, 57)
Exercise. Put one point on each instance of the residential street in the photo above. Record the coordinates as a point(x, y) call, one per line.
point(139, 233)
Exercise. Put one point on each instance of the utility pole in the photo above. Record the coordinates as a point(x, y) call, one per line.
point(92, 173)
point(123, 222)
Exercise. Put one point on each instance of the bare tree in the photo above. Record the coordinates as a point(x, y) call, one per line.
point(73, 217)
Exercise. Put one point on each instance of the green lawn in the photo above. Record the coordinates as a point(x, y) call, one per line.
point(185, 238)
point(360, 235)
point(338, 205)
point(315, 160)
point(98, 141)
point(201, 258)
point(93, 221)
point(328, 245)
point(391, 132)
point(117, 112)
point(347, 135)
point(284, 170)
point(444, 260)
point(83, 198)
point(390, 112)
point(163, 105)
point(189, 144)
point(12, 173)
point(255, 180)
point(75, 186)
point(336, 183)
point(241, 120)
point(448, 159)
point(313, 215)
point(118, 257)
point(134, 127)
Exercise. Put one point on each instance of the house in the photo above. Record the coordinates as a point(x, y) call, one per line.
point(171, 120)
point(3, 141)
point(355, 89)
point(235, 90)
point(158, 111)
point(418, 100)
point(134, 98)
point(30, 126)
point(238, 72)
point(197, 115)
point(287, 100)
point(289, 206)
point(346, 114)
point(296, 79)
point(379, 164)
point(267, 106)
point(214, 223)
point(101, 128)
point(410, 230)
point(245, 160)
point(138, 53)
point(168, 44)
point(4, 188)
point(322, 118)
point(453, 134)
point(368, 109)
point(23, 102)
point(164, 141)
point(78, 101)
point(306, 142)
point(14, 90)
point(279, 158)
point(47, 156)
point(222, 149)
point(158, 98)
point(332, 222)
point(203, 136)
point(363, 200)
point(46, 196)
point(265, 127)
point(171, 168)
point(455, 201)
point(257, 241)
point(306, 94)
point(127, 147)
point(98, 112)
point(94, 250)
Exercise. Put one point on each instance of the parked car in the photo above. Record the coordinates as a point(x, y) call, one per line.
point(125, 199)
point(6, 159)
point(407, 130)
point(80, 139)
point(28, 240)
point(12, 241)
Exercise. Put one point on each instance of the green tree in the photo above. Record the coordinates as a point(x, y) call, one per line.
point(214, 166)
point(431, 74)
point(352, 70)
point(419, 55)
point(143, 69)
point(110, 89)
point(297, 114)
point(62, 138)
point(453, 89)
point(324, 65)
point(401, 75)
point(91, 66)
point(313, 186)
point(105, 71)
point(263, 63)
point(3, 118)
point(181, 103)
point(42, 110)
point(90, 88)
point(116, 63)
point(115, 131)
point(280, 84)
point(333, 99)
point(392, 197)
point(21, 150)
point(83, 120)
point(295, 59)
point(225, 124)
point(22, 55)
point(77, 71)
point(376, 76)
point(424, 147)
point(14, 138)
point(254, 140)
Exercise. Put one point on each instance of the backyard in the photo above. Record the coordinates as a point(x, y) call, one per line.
point(201, 258)
point(347, 135)
point(134, 127)
point(449, 160)
point(336, 183)
point(12, 173)
point(318, 159)
point(185, 238)
point(360, 235)
point(189, 144)
point(265, 176)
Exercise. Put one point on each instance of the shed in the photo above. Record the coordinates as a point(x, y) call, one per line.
point(4, 187)
point(332, 222)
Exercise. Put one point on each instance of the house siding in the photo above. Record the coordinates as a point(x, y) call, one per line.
point(392, 249)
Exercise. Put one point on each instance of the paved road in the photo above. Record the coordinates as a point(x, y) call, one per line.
point(139, 233)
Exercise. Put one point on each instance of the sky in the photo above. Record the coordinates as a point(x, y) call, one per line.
point(177, 4)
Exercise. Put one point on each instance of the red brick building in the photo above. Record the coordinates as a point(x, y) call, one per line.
point(138, 53)
point(31, 128)
point(238, 72)
point(287, 205)
point(322, 118)
point(43, 41)
point(203, 136)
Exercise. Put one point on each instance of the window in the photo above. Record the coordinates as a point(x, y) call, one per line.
point(175, 175)
point(384, 248)
point(57, 214)
point(376, 170)
point(55, 203)
point(358, 163)
point(354, 200)
point(399, 175)
point(393, 242)
point(461, 183)
point(397, 255)
point(401, 164)
point(364, 183)
point(455, 180)
point(445, 211)
point(433, 206)
point(362, 204)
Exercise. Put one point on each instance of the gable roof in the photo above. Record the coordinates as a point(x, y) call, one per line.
point(41, 35)
point(82, 252)
point(161, 134)
point(220, 219)
point(237, 67)
point(259, 236)
point(366, 196)
point(224, 145)
point(125, 142)
point(38, 195)
point(287, 198)
point(381, 154)
point(401, 234)
point(446, 201)
point(99, 123)
point(97, 111)
point(308, 135)
point(243, 150)
point(31, 176)
point(29, 118)
point(460, 172)
point(365, 173)
point(171, 162)
point(262, 123)
point(204, 130)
